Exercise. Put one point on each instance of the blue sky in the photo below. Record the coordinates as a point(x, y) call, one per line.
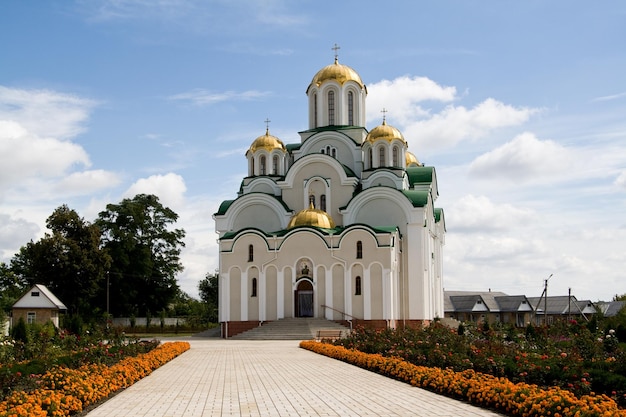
point(520, 106)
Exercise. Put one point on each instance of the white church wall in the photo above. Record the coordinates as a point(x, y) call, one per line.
point(234, 290)
point(338, 276)
point(259, 216)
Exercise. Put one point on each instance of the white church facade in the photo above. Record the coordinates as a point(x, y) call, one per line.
point(341, 225)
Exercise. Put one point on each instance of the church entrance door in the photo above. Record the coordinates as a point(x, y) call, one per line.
point(304, 299)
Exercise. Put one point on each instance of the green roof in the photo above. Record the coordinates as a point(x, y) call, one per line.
point(420, 175)
point(224, 206)
point(418, 198)
point(438, 213)
point(227, 203)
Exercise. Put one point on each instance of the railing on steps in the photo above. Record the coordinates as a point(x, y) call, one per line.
point(343, 315)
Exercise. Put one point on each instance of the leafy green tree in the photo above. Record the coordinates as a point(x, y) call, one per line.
point(69, 261)
point(145, 254)
point(209, 294)
point(12, 286)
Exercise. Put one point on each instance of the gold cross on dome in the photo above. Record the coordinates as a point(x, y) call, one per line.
point(267, 124)
point(336, 48)
point(384, 112)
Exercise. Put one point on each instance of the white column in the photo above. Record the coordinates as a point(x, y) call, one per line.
point(244, 296)
point(280, 294)
point(224, 305)
point(329, 294)
point(366, 289)
point(347, 290)
point(262, 296)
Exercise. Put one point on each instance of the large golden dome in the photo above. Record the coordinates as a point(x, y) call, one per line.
point(267, 142)
point(312, 217)
point(336, 72)
point(411, 159)
point(384, 132)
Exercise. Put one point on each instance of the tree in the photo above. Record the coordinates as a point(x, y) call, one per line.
point(145, 254)
point(12, 286)
point(69, 261)
point(209, 294)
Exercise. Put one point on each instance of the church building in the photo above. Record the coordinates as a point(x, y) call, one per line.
point(341, 225)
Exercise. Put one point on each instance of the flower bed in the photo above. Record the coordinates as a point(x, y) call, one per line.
point(515, 399)
point(63, 391)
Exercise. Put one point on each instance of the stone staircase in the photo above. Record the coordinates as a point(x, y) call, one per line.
point(301, 328)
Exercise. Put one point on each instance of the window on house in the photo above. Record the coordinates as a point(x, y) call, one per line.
point(275, 165)
point(395, 157)
point(252, 167)
point(31, 317)
point(254, 287)
point(350, 108)
point(315, 110)
point(381, 157)
point(262, 166)
point(357, 286)
point(250, 253)
point(331, 107)
point(34, 293)
point(334, 152)
point(312, 200)
point(370, 156)
point(323, 202)
point(359, 250)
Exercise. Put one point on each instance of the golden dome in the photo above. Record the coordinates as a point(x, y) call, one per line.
point(267, 142)
point(412, 159)
point(312, 217)
point(384, 132)
point(337, 72)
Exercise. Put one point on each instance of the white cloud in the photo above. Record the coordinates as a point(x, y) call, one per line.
point(524, 158)
point(45, 113)
point(14, 232)
point(479, 214)
point(620, 181)
point(400, 97)
point(201, 97)
point(86, 182)
point(432, 129)
point(26, 156)
point(170, 188)
point(457, 123)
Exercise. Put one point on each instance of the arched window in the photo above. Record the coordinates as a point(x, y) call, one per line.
point(262, 171)
point(350, 108)
point(359, 250)
point(328, 150)
point(331, 107)
point(250, 253)
point(275, 165)
point(254, 287)
point(323, 202)
point(312, 200)
point(395, 157)
point(357, 286)
point(381, 157)
point(252, 167)
point(370, 157)
point(314, 110)
point(334, 152)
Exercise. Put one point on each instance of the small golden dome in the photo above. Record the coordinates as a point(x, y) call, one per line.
point(412, 159)
point(337, 72)
point(267, 142)
point(384, 132)
point(312, 217)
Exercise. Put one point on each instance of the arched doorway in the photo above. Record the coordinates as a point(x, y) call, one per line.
point(304, 299)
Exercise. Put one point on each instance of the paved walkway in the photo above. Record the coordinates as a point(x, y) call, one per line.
point(272, 378)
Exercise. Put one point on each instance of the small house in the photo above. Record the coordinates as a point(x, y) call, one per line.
point(38, 305)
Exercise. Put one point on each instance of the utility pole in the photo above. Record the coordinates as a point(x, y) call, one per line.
point(545, 301)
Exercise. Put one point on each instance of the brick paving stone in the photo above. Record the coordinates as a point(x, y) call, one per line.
point(219, 377)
